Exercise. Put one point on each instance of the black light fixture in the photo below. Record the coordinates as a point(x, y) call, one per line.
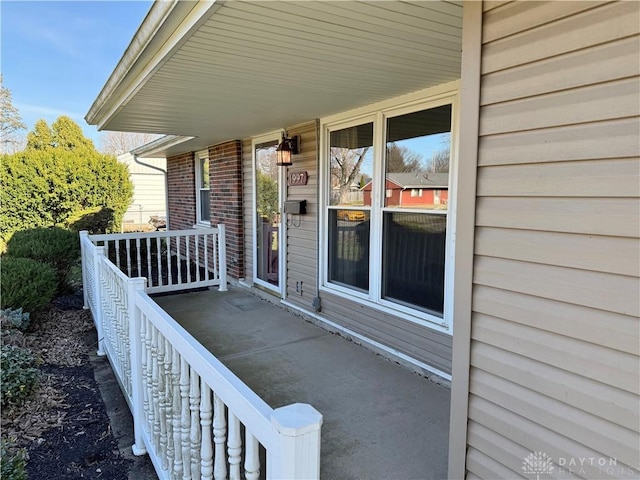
point(288, 147)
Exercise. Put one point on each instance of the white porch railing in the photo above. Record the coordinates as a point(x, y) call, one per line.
point(170, 260)
point(192, 415)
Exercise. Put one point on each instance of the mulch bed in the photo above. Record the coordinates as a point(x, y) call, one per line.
point(64, 425)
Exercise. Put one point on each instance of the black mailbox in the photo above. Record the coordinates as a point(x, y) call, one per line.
point(295, 207)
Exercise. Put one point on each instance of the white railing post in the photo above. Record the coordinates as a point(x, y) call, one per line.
point(85, 294)
point(222, 258)
point(298, 443)
point(98, 258)
point(135, 341)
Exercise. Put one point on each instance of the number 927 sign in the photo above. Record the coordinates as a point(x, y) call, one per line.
point(297, 178)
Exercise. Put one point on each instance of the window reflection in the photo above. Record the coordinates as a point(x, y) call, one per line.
point(351, 164)
point(417, 159)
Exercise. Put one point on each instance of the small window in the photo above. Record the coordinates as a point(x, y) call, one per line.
point(203, 188)
point(389, 193)
point(416, 192)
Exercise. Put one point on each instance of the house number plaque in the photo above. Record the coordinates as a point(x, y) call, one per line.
point(297, 178)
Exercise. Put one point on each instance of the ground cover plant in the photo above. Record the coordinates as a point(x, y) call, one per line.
point(58, 428)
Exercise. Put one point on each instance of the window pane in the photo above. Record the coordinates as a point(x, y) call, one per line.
point(351, 165)
point(204, 173)
point(417, 159)
point(205, 205)
point(413, 260)
point(349, 248)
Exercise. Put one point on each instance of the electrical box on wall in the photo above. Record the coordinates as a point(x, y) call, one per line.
point(295, 207)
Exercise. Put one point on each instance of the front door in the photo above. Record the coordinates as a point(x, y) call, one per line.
point(267, 225)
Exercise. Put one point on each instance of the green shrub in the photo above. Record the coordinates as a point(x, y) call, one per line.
point(55, 246)
point(26, 283)
point(94, 220)
point(19, 375)
point(12, 462)
point(15, 318)
point(43, 188)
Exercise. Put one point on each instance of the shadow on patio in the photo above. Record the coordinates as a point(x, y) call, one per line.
point(380, 421)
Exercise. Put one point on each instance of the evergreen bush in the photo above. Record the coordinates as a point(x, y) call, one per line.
point(57, 247)
point(94, 220)
point(59, 174)
point(26, 283)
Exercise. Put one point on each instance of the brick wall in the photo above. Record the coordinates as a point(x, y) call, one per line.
point(182, 193)
point(225, 174)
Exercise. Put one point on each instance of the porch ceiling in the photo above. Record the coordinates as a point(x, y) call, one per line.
point(228, 70)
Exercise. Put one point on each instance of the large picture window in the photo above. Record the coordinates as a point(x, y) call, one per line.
point(387, 191)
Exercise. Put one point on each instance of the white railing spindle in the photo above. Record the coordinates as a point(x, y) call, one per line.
point(234, 446)
point(185, 419)
point(177, 409)
point(252, 459)
point(206, 447)
point(188, 257)
point(219, 438)
point(194, 436)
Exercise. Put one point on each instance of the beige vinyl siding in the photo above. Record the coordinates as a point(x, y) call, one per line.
point(149, 193)
point(302, 233)
point(248, 211)
point(418, 342)
point(555, 361)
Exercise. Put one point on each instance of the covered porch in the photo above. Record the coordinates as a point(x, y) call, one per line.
point(222, 383)
point(380, 421)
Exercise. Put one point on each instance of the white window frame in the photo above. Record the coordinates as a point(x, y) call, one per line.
point(199, 157)
point(379, 113)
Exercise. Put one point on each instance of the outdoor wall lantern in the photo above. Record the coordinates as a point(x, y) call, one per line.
point(288, 147)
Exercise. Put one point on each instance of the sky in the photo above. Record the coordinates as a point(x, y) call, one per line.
point(55, 56)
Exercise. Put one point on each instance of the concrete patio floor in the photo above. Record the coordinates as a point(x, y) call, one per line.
point(381, 421)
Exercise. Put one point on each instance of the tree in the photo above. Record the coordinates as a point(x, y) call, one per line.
point(59, 175)
point(10, 120)
point(63, 134)
point(345, 168)
point(267, 193)
point(41, 137)
point(440, 161)
point(441, 158)
point(117, 143)
point(401, 159)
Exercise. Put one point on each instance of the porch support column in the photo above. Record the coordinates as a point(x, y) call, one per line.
point(465, 234)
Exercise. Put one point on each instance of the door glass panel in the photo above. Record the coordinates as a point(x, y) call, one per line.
point(267, 213)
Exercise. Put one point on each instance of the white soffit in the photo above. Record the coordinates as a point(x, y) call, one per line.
point(252, 67)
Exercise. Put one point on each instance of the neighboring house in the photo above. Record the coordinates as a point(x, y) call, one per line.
point(521, 288)
point(149, 191)
point(410, 190)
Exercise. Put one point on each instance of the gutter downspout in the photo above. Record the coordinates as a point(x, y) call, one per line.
point(166, 185)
